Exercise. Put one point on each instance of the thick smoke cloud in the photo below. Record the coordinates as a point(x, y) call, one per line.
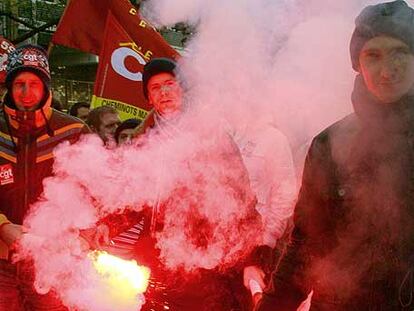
point(249, 63)
point(293, 69)
point(190, 173)
point(269, 61)
point(272, 60)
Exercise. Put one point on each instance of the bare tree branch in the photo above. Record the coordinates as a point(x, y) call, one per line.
point(16, 19)
point(35, 31)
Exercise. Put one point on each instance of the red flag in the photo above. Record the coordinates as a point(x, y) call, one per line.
point(81, 26)
point(119, 77)
point(125, 45)
point(6, 47)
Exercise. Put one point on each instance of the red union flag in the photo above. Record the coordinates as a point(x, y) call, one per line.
point(119, 78)
point(125, 45)
point(6, 47)
point(81, 25)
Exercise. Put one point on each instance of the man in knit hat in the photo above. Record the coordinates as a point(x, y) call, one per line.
point(29, 131)
point(202, 289)
point(161, 87)
point(352, 247)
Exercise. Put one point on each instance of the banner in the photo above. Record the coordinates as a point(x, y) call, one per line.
point(125, 46)
point(6, 47)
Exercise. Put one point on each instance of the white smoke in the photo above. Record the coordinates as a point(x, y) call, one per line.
point(287, 61)
point(190, 173)
point(249, 62)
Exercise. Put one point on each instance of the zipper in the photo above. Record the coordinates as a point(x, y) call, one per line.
point(26, 172)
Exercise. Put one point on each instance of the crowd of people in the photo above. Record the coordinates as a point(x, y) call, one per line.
point(345, 243)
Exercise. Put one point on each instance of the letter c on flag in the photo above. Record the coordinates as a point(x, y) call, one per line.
point(118, 63)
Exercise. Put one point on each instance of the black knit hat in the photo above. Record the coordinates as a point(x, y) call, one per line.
point(156, 66)
point(127, 124)
point(31, 58)
point(395, 19)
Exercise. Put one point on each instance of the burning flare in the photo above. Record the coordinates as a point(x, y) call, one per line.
point(126, 278)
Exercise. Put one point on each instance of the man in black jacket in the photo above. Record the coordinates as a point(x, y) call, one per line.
point(353, 242)
point(29, 131)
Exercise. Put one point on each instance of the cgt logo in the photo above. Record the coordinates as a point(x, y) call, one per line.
point(120, 55)
point(6, 174)
point(35, 59)
point(30, 57)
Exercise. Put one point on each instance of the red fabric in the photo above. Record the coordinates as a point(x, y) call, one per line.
point(81, 25)
point(83, 21)
point(111, 85)
point(17, 292)
point(6, 47)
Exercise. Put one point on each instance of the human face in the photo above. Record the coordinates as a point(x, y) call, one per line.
point(109, 123)
point(27, 91)
point(387, 66)
point(164, 93)
point(83, 113)
point(126, 136)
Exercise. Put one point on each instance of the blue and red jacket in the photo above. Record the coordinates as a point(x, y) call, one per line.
point(27, 141)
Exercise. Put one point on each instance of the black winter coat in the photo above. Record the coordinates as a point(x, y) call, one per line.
point(353, 241)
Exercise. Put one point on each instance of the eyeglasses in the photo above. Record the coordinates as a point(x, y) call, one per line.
point(164, 87)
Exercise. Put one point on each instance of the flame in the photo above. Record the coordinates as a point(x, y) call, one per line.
point(127, 279)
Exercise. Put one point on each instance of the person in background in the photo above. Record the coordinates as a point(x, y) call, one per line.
point(126, 131)
point(267, 156)
point(80, 110)
point(104, 121)
point(57, 104)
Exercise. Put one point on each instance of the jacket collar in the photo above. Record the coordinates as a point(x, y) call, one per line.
point(28, 120)
point(392, 117)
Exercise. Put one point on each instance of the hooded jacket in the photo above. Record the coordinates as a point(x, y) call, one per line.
point(353, 242)
point(27, 140)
